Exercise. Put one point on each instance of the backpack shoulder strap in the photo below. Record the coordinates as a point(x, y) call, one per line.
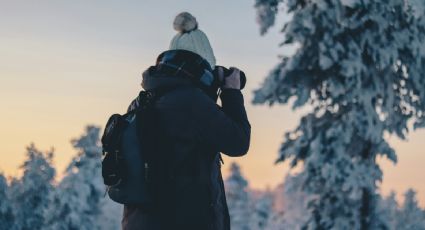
point(148, 97)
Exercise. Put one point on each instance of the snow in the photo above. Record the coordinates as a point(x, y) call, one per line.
point(79, 198)
point(411, 215)
point(349, 3)
point(30, 196)
point(238, 199)
point(77, 201)
point(6, 211)
point(360, 67)
point(35, 201)
point(266, 13)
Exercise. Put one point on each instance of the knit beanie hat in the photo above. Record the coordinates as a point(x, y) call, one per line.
point(190, 38)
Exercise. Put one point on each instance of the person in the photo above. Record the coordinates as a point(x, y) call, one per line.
point(197, 129)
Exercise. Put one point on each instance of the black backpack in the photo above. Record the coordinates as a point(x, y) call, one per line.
point(130, 145)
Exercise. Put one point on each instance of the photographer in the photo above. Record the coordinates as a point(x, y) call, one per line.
point(190, 192)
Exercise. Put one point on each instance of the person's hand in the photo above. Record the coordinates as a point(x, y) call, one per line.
point(232, 81)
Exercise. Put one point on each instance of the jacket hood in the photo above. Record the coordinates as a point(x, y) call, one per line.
point(153, 78)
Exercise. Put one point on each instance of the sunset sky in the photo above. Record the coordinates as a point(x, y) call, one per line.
point(66, 64)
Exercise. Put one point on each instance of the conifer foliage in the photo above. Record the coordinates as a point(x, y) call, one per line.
point(35, 201)
point(262, 210)
point(238, 198)
point(360, 67)
point(6, 212)
point(79, 197)
point(389, 211)
point(411, 215)
point(31, 195)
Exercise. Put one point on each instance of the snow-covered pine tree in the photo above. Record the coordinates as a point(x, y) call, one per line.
point(6, 211)
point(411, 216)
point(359, 67)
point(111, 215)
point(79, 200)
point(31, 195)
point(294, 205)
point(238, 199)
point(389, 211)
point(262, 210)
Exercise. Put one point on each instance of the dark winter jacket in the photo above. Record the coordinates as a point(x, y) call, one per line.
point(197, 130)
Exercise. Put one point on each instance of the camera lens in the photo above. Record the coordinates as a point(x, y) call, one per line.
point(227, 72)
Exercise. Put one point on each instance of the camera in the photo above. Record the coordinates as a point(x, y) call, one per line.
point(227, 72)
point(213, 90)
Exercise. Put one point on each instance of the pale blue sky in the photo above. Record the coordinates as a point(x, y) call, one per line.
point(65, 64)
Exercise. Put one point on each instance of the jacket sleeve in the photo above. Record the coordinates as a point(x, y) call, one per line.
point(226, 129)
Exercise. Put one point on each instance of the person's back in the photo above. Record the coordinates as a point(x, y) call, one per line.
point(194, 130)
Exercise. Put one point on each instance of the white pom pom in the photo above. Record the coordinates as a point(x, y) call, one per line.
point(185, 22)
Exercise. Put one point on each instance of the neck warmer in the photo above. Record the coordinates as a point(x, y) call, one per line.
point(183, 62)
